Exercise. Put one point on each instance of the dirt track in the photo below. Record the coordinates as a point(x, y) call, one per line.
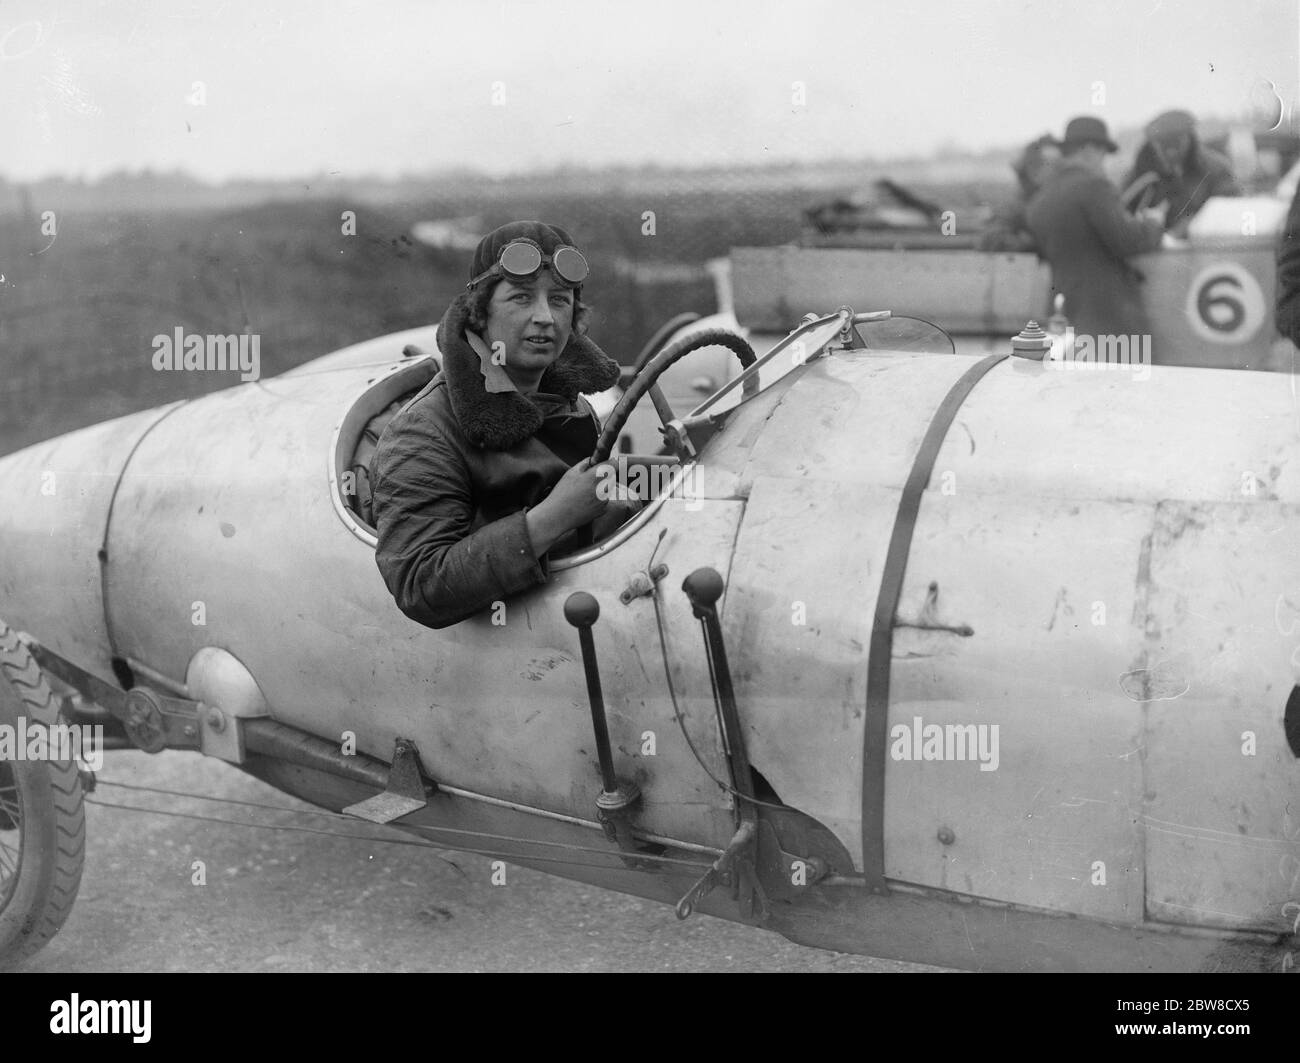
point(288, 901)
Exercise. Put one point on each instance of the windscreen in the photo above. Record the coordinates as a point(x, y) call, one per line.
point(908, 334)
point(905, 334)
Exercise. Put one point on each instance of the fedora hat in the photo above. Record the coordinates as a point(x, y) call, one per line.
point(1088, 130)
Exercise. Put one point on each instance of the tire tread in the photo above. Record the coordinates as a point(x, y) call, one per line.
point(19, 669)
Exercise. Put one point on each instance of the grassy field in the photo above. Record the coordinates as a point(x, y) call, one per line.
point(78, 312)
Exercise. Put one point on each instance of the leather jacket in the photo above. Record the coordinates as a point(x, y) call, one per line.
point(458, 466)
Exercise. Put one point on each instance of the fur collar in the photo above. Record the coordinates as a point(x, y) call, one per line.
point(504, 420)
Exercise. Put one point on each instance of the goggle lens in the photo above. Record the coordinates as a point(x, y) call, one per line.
point(520, 259)
point(569, 265)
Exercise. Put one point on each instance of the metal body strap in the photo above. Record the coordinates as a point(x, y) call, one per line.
point(876, 730)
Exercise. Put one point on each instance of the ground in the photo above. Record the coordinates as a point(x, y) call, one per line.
point(277, 900)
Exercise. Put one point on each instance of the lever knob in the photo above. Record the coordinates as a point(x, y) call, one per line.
point(581, 609)
point(702, 587)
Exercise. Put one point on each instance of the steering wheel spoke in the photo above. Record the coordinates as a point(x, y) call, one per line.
point(676, 435)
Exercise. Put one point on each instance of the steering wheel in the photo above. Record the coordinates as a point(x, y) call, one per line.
point(647, 381)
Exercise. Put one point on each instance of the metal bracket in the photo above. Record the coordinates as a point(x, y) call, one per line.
point(758, 867)
point(642, 584)
point(677, 438)
point(152, 721)
point(734, 868)
point(849, 337)
point(405, 792)
point(612, 811)
point(785, 874)
point(155, 722)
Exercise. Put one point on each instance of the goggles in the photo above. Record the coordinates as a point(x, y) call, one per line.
point(522, 258)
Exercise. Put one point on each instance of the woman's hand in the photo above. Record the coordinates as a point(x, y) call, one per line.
point(618, 514)
point(581, 495)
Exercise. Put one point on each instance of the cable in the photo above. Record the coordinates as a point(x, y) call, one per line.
point(677, 714)
point(392, 841)
point(569, 846)
point(263, 826)
point(226, 800)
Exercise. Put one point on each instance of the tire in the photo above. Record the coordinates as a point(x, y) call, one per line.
point(42, 818)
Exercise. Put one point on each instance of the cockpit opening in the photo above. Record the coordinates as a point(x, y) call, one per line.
point(357, 437)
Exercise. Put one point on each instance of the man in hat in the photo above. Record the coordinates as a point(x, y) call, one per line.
point(1087, 237)
point(488, 469)
point(1173, 168)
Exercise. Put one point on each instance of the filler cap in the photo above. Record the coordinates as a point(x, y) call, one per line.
point(1032, 342)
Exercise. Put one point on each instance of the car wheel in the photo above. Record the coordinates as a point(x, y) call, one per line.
point(42, 818)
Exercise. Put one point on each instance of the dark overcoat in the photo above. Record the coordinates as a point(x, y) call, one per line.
point(1288, 276)
point(1087, 237)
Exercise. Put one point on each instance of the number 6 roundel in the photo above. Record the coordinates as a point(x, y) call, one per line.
point(1225, 304)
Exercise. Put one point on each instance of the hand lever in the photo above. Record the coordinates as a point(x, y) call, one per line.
point(703, 588)
point(617, 798)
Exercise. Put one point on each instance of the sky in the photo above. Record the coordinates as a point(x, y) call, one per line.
point(281, 88)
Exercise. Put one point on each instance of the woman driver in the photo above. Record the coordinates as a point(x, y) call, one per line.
point(487, 469)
